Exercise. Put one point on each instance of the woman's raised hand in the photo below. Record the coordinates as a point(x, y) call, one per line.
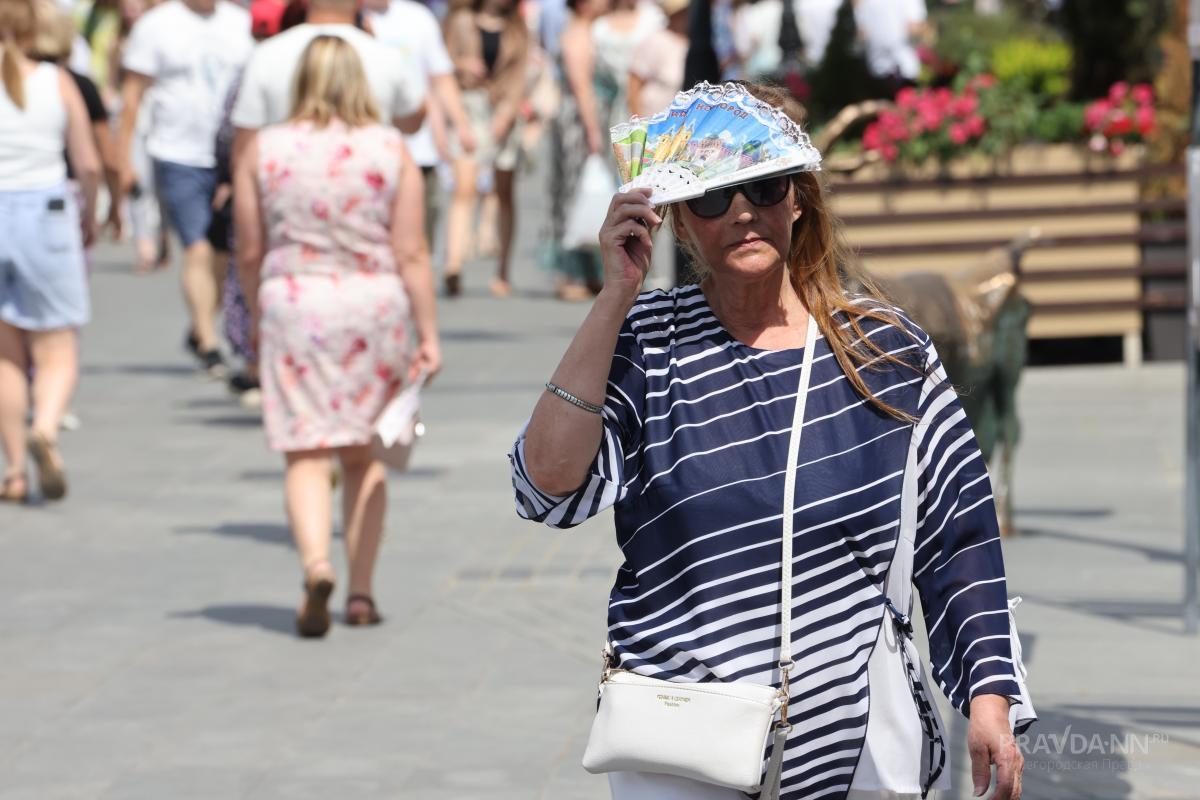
point(626, 242)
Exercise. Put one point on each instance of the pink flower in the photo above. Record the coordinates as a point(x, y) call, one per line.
point(984, 81)
point(890, 153)
point(1145, 120)
point(931, 118)
point(1095, 114)
point(1116, 147)
point(976, 125)
point(343, 153)
point(1143, 94)
point(964, 105)
point(959, 133)
point(375, 180)
point(1118, 92)
point(1098, 143)
point(320, 209)
point(906, 98)
point(942, 98)
point(873, 136)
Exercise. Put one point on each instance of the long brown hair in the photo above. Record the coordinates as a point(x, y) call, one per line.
point(18, 23)
point(823, 269)
point(331, 83)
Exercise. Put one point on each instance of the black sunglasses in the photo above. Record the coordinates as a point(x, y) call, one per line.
point(763, 193)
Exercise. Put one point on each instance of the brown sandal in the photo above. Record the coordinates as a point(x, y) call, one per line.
point(10, 495)
point(51, 478)
point(368, 617)
point(314, 620)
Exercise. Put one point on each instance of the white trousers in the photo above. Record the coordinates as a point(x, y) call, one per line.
point(648, 786)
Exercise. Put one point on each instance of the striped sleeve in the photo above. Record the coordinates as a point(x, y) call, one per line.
point(617, 458)
point(958, 566)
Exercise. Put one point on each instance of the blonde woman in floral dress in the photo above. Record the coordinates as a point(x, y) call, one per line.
point(335, 267)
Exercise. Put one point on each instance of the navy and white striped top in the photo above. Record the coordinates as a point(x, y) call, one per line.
point(696, 429)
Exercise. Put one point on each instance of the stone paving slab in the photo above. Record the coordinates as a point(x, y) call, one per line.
point(146, 646)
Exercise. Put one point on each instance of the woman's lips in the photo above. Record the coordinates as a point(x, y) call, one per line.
point(748, 240)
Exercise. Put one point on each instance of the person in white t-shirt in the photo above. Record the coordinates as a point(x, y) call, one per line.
point(181, 58)
point(757, 27)
point(890, 29)
point(265, 97)
point(411, 28)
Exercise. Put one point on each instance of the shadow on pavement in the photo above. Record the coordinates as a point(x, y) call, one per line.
point(1067, 513)
point(1141, 614)
point(267, 532)
point(1152, 553)
point(247, 420)
point(138, 369)
point(271, 618)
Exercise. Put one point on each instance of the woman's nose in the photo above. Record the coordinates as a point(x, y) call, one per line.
point(741, 209)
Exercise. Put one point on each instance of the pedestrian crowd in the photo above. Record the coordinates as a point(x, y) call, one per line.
point(308, 159)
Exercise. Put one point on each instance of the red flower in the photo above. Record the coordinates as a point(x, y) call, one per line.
point(1119, 124)
point(890, 152)
point(1118, 92)
point(976, 125)
point(906, 98)
point(1116, 147)
point(959, 134)
point(375, 180)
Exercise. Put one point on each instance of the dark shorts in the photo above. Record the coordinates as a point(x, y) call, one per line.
point(186, 194)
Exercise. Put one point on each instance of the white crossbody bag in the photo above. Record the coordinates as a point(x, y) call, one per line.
point(710, 732)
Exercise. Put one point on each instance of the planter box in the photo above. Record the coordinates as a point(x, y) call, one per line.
point(1084, 275)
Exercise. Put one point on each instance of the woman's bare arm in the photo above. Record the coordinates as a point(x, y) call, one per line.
point(413, 263)
point(248, 219)
point(81, 149)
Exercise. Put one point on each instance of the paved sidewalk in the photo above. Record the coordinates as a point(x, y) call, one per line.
point(146, 646)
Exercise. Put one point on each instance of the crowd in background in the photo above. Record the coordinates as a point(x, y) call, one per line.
point(185, 124)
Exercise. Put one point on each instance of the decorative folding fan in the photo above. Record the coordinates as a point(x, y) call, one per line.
point(710, 136)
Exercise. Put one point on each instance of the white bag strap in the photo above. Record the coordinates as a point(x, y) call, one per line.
point(789, 511)
point(775, 766)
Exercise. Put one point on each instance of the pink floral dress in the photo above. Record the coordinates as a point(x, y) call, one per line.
point(334, 339)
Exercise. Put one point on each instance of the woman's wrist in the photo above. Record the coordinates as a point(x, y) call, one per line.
point(615, 300)
point(990, 705)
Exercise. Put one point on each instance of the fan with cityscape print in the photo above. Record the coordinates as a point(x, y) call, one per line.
point(710, 136)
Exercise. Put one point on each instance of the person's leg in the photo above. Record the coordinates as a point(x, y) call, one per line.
point(56, 371)
point(459, 220)
point(309, 509)
point(201, 294)
point(433, 206)
point(364, 502)
point(14, 399)
point(188, 192)
point(507, 218)
point(309, 504)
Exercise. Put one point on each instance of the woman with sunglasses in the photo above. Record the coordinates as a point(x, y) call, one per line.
point(676, 407)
